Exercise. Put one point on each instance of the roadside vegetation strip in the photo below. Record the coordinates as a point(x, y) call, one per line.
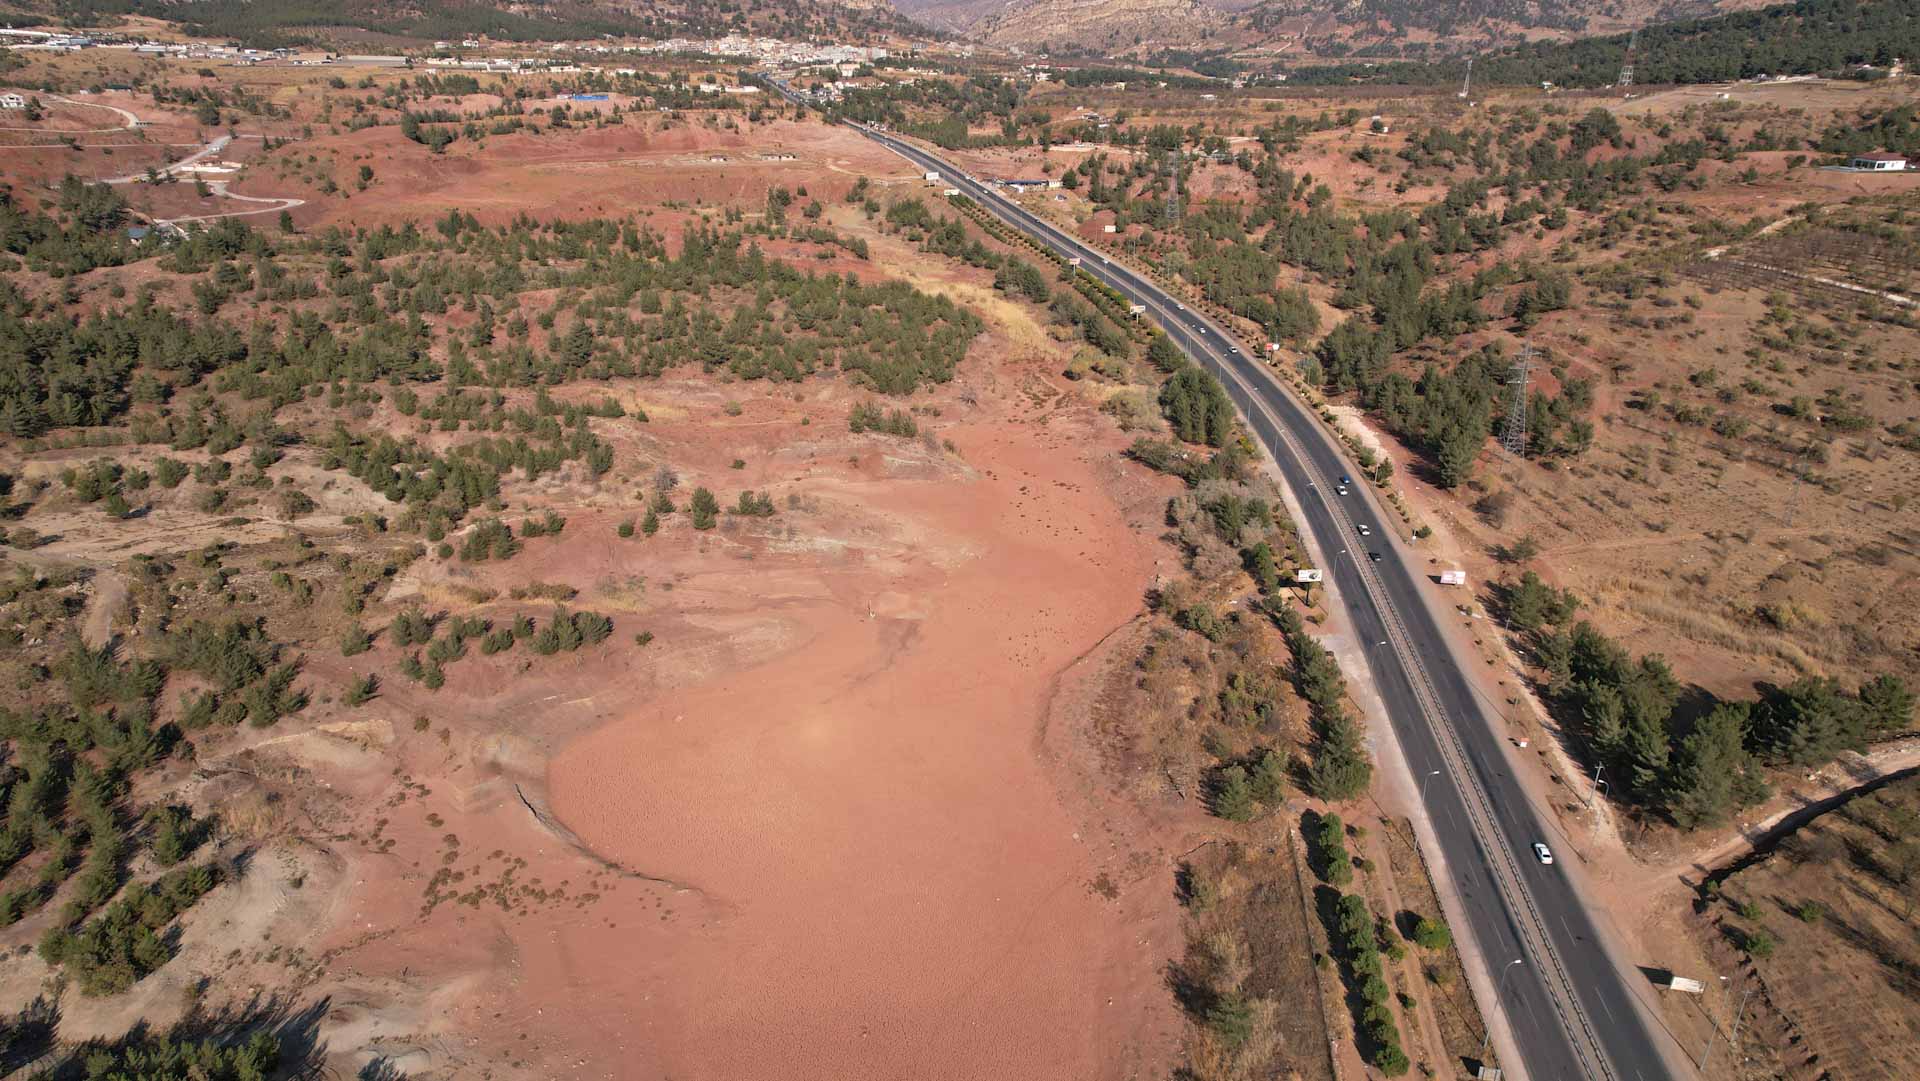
point(1460, 1019)
point(1492, 839)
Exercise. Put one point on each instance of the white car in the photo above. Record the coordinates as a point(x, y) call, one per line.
point(1543, 854)
point(1340, 491)
point(1366, 531)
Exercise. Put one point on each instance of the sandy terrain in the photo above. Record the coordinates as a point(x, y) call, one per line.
point(640, 165)
point(875, 916)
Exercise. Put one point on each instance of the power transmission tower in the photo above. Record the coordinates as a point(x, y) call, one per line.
point(1466, 84)
point(1173, 186)
point(1626, 68)
point(1514, 436)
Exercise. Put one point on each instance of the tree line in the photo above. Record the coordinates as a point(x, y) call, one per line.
point(1699, 764)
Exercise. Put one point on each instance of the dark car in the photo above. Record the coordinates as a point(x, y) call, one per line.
point(1373, 557)
point(1344, 481)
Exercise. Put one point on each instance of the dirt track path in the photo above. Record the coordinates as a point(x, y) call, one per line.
point(109, 599)
point(1852, 771)
point(128, 121)
point(268, 205)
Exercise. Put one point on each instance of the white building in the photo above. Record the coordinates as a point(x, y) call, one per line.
point(1878, 163)
point(12, 101)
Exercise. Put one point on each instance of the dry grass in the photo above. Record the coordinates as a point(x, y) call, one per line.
point(1839, 995)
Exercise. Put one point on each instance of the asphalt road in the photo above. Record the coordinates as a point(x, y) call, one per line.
point(1568, 1004)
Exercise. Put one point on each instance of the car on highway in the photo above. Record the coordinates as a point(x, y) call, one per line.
point(1340, 491)
point(1543, 854)
point(1373, 557)
point(1345, 480)
point(1365, 529)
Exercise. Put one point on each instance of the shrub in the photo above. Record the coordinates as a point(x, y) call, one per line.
point(1330, 846)
point(362, 690)
point(175, 835)
point(489, 539)
point(754, 505)
point(412, 627)
point(1432, 934)
point(1230, 1016)
point(355, 641)
point(868, 417)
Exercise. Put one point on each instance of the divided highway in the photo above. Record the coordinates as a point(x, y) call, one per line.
point(1570, 1011)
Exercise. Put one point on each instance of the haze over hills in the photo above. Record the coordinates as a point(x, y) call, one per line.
point(1315, 27)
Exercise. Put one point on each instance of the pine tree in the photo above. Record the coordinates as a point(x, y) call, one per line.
point(1233, 795)
point(1887, 705)
point(1269, 781)
point(1712, 774)
point(704, 509)
point(1340, 768)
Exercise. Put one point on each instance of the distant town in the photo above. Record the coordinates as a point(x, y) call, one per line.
point(474, 54)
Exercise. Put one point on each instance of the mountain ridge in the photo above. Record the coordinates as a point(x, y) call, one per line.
point(1322, 28)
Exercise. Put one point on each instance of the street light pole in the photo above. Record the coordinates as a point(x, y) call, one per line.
point(1423, 787)
point(1498, 989)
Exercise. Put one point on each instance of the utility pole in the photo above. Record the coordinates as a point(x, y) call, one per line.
point(1739, 1016)
point(1514, 436)
point(1626, 69)
point(1597, 787)
point(1733, 1040)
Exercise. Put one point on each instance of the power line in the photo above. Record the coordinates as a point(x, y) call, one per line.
point(1514, 436)
point(1466, 84)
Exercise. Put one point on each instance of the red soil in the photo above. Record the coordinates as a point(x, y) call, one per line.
point(898, 885)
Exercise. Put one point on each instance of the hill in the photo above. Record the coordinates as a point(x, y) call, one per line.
point(531, 20)
point(1320, 28)
point(1805, 38)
